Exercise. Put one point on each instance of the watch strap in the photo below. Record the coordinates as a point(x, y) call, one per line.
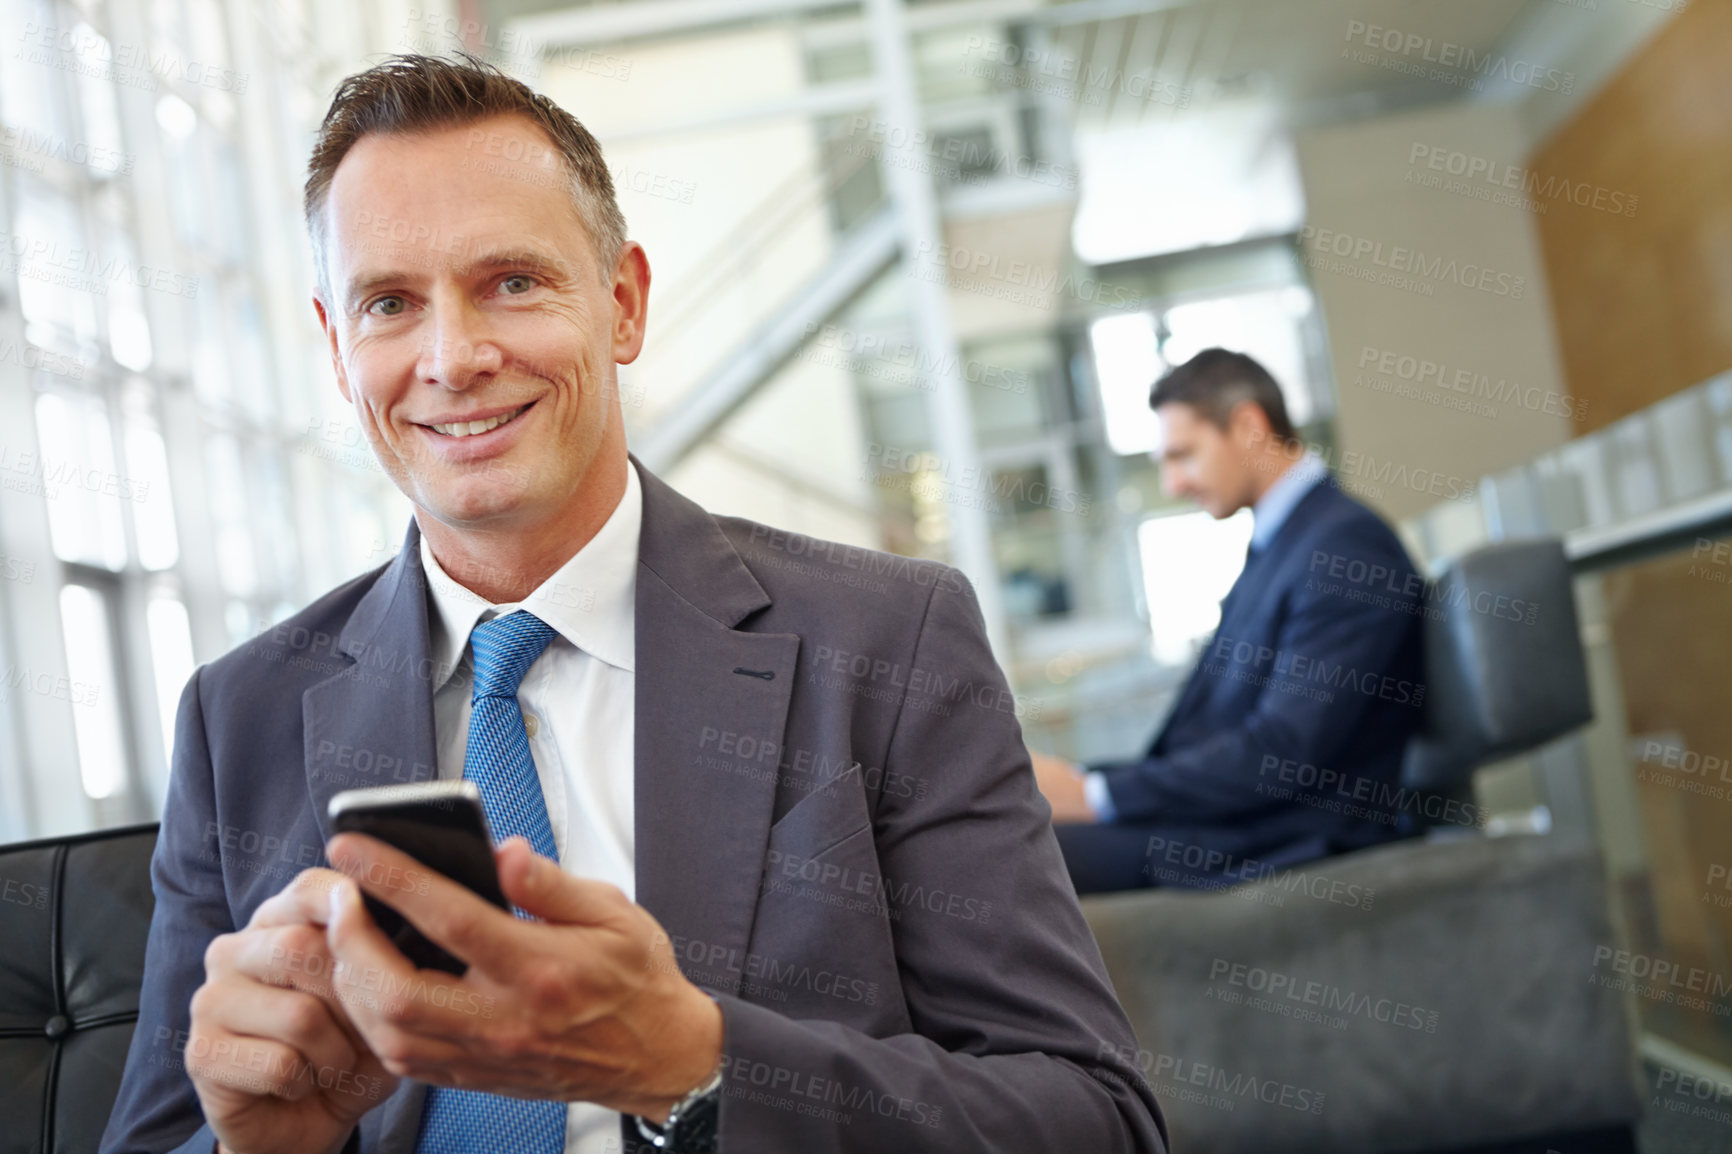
point(691, 1125)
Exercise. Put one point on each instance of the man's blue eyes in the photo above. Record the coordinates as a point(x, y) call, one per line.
point(394, 306)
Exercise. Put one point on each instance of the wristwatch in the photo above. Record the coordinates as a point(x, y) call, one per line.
point(691, 1125)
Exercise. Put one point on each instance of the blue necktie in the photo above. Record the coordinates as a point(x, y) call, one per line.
point(497, 760)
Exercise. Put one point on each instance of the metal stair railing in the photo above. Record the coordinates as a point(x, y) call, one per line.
point(865, 253)
point(699, 380)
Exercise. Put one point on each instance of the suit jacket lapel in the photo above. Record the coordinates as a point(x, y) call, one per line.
point(703, 833)
point(1275, 569)
point(1195, 685)
point(372, 723)
point(1248, 594)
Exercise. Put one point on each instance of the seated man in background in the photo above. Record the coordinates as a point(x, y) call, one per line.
point(1285, 744)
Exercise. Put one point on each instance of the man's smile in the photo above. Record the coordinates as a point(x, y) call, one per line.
point(487, 433)
point(483, 422)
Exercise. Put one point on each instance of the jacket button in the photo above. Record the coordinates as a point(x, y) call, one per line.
point(58, 1027)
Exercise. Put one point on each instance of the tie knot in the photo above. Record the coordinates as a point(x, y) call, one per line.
point(504, 649)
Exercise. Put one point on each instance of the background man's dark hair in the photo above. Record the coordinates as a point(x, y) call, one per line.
point(410, 93)
point(1216, 381)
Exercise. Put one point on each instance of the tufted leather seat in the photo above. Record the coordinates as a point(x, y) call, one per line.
point(74, 916)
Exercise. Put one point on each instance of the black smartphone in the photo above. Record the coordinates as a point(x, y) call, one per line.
point(441, 825)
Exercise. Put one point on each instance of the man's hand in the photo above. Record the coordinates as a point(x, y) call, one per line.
point(1062, 784)
point(274, 1058)
point(587, 1004)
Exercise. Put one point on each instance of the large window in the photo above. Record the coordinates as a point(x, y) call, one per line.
point(1132, 351)
point(176, 477)
point(1189, 561)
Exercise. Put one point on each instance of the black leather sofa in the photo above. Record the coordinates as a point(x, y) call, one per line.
point(74, 916)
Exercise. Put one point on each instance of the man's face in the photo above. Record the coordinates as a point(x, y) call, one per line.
point(465, 293)
point(1201, 462)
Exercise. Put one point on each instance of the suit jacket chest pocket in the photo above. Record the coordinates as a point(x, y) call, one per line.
point(821, 943)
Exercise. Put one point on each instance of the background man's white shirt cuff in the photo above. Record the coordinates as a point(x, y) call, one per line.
point(1100, 799)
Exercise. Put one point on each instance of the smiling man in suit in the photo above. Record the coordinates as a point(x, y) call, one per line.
point(1285, 744)
point(785, 896)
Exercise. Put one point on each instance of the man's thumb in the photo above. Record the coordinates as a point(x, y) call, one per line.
point(538, 886)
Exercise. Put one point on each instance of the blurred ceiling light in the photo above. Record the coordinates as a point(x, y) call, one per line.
point(1194, 180)
point(176, 117)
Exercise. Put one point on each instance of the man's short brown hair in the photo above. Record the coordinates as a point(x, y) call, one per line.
point(413, 93)
point(1217, 381)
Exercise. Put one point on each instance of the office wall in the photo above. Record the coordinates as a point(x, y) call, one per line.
point(1643, 300)
point(1435, 296)
point(1643, 303)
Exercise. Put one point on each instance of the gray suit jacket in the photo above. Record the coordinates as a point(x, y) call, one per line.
point(836, 823)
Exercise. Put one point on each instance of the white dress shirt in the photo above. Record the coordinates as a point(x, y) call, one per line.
point(1272, 509)
point(577, 701)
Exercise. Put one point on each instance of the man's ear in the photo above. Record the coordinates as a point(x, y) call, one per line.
point(327, 323)
point(1248, 425)
point(631, 283)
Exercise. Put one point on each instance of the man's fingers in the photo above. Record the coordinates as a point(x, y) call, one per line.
point(248, 1065)
point(383, 992)
point(538, 886)
point(371, 972)
point(404, 1015)
point(304, 901)
point(245, 1013)
point(295, 955)
point(450, 914)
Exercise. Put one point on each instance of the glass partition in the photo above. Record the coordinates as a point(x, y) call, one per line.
point(1644, 506)
point(1668, 619)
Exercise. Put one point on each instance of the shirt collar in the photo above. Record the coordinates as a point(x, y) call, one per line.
point(591, 600)
point(1277, 502)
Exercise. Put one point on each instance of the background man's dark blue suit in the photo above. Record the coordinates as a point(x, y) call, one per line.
point(1291, 727)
